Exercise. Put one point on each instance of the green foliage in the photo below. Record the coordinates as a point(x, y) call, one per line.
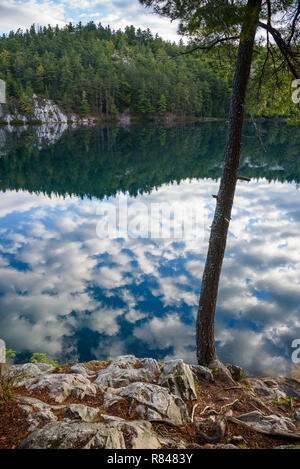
point(242, 445)
point(270, 94)
point(245, 387)
point(24, 105)
point(286, 401)
point(218, 25)
point(84, 107)
point(93, 70)
point(214, 372)
point(7, 392)
point(10, 354)
point(42, 358)
point(162, 105)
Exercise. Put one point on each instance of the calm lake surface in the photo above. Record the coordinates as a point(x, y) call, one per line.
point(75, 294)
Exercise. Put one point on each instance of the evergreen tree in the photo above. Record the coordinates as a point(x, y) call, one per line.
point(236, 22)
point(84, 107)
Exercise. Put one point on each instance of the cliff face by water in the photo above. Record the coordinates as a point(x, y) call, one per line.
point(42, 110)
point(53, 122)
point(132, 403)
point(45, 111)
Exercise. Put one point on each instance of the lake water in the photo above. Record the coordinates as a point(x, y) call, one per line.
point(77, 292)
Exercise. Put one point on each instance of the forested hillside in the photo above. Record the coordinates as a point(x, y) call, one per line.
point(94, 70)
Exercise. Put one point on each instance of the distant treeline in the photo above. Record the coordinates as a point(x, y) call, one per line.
point(99, 162)
point(91, 69)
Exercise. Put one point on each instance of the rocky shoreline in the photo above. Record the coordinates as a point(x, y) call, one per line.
point(132, 403)
point(46, 111)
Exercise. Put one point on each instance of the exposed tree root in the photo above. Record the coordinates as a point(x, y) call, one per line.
point(193, 412)
point(210, 410)
point(166, 422)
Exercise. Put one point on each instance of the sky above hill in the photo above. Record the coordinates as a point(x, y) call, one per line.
point(22, 14)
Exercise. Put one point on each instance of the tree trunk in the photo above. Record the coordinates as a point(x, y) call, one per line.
point(206, 352)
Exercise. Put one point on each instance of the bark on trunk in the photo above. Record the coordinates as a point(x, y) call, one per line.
point(206, 352)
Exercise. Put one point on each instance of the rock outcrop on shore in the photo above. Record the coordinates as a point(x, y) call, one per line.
point(43, 111)
point(140, 404)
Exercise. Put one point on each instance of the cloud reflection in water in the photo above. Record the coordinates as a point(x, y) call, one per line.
point(68, 293)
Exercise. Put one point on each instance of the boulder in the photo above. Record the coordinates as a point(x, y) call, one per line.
point(60, 386)
point(270, 390)
point(81, 369)
point(141, 435)
point(146, 413)
point(297, 414)
point(40, 418)
point(104, 435)
point(16, 375)
point(267, 422)
point(125, 362)
point(29, 404)
point(111, 396)
point(276, 388)
point(108, 436)
point(116, 378)
point(33, 403)
point(81, 412)
point(235, 371)
point(124, 370)
point(290, 386)
point(158, 399)
point(38, 412)
point(202, 371)
point(66, 435)
point(177, 376)
point(150, 364)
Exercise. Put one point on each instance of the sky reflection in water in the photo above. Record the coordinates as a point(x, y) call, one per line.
point(68, 293)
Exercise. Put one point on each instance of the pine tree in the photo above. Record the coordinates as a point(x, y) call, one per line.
point(162, 105)
point(84, 107)
point(234, 22)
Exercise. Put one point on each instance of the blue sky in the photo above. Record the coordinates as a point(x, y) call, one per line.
point(16, 14)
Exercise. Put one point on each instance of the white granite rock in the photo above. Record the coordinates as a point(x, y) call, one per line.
point(61, 386)
point(177, 376)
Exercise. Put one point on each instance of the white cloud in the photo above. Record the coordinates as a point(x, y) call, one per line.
point(68, 269)
point(118, 14)
point(15, 14)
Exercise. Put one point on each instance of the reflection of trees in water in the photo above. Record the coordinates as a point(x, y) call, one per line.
point(99, 162)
